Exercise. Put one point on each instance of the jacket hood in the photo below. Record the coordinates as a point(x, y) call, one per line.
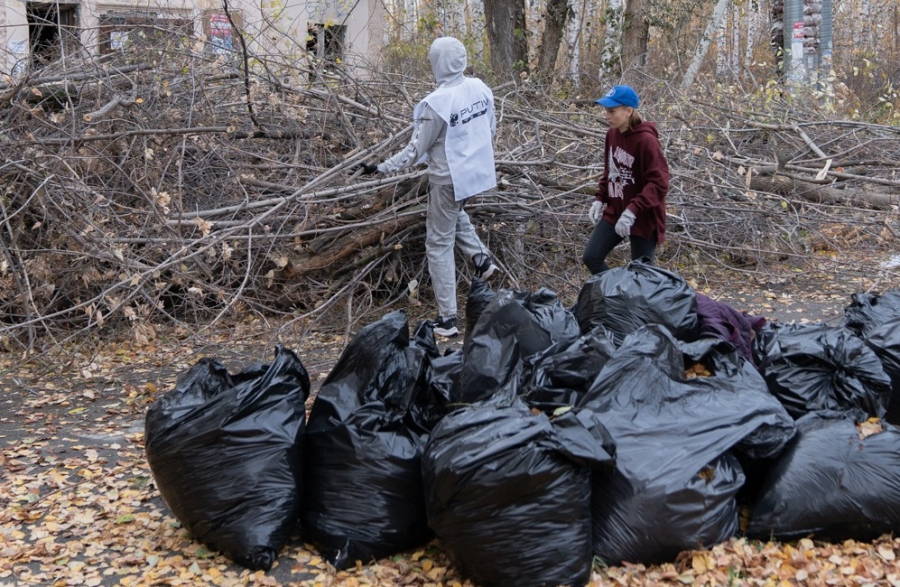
point(643, 127)
point(448, 60)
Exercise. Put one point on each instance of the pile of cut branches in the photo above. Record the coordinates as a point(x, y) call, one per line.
point(188, 186)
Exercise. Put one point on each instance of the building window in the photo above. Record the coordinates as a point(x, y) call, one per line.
point(142, 30)
point(218, 31)
point(326, 41)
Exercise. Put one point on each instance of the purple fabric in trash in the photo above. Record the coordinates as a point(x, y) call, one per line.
point(720, 320)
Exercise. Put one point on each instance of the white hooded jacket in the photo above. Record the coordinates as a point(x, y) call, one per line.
point(453, 126)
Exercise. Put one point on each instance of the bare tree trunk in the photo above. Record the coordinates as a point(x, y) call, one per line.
point(403, 17)
point(611, 64)
point(718, 13)
point(507, 31)
point(734, 49)
point(475, 26)
point(777, 36)
point(573, 34)
point(752, 26)
point(453, 17)
point(554, 26)
point(722, 50)
point(635, 34)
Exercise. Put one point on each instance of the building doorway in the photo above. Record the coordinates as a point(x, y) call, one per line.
point(51, 27)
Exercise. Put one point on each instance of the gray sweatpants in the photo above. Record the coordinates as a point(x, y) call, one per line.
point(446, 224)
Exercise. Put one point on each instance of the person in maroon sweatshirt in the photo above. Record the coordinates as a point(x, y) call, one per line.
point(630, 201)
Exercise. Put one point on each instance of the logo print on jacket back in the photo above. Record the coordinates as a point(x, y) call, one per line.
point(469, 113)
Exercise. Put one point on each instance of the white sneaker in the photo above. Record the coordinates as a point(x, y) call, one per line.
point(486, 268)
point(445, 327)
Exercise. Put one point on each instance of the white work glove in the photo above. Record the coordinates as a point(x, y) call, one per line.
point(626, 221)
point(596, 211)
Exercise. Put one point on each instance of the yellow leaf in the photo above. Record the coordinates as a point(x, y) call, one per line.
point(417, 555)
point(700, 563)
point(138, 100)
point(426, 565)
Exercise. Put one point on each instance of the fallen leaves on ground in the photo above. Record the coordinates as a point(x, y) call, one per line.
point(771, 564)
point(78, 505)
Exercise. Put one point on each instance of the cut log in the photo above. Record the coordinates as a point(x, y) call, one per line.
point(822, 194)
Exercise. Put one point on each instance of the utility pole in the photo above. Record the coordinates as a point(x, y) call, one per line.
point(808, 28)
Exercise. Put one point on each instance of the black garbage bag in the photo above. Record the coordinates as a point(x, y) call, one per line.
point(678, 412)
point(884, 340)
point(226, 454)
point(435, 396)
point(625, 298)
point(513, 326)
point(509, 493)
point(867, 311)
point(562, 374)
point(811, 367)
point(363, 496)
point(479, 297)
point(837, 480)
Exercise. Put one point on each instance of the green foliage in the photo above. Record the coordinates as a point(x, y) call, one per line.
point(597, 564)
point(734, 577)
point(429, 23)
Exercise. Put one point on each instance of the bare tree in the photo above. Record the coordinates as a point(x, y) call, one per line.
point(611, 60)
point(555, 25)
point(705, 41)
point(507, 36)
point(635, 34)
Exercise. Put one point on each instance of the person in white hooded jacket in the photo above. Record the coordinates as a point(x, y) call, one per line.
point(453, 129)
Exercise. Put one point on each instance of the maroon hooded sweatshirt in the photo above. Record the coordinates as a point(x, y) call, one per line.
point(635, 176)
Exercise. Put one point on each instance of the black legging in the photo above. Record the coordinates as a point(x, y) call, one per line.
point(604, 239)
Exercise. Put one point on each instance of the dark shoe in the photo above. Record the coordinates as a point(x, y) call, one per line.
point(484, 267)
point(445, 327)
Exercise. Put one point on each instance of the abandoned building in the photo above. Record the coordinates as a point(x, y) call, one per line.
point(36, 32)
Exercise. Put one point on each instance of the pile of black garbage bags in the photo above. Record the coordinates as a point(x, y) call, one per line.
point(632, 426)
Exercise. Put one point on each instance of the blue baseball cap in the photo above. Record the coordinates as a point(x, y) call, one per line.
point(620, 96)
